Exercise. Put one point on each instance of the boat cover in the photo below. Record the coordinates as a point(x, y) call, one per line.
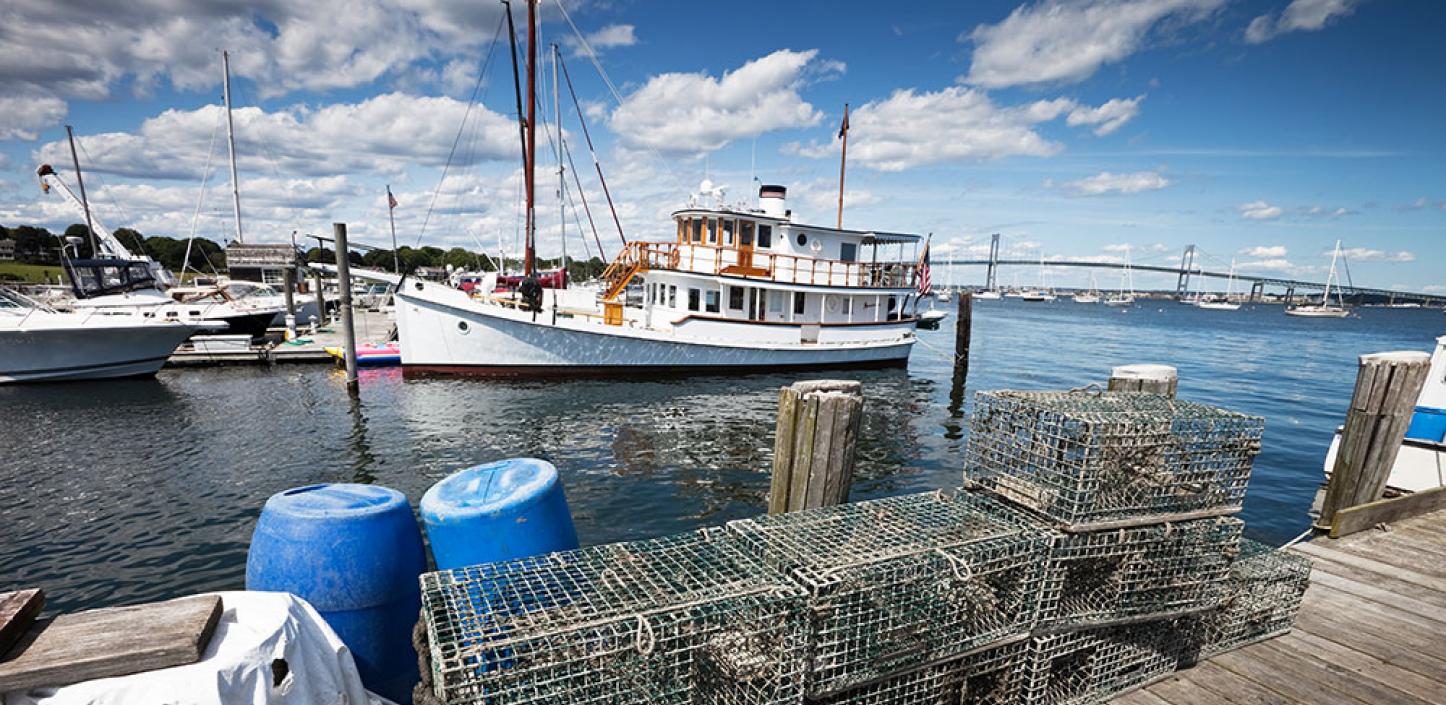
point(269, 647)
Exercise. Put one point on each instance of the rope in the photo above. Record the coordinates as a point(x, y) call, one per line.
point(961, 570)
point(588, 136)
point(201, 197)
point(582, 194)
point(1298, 539)
point(645, 639)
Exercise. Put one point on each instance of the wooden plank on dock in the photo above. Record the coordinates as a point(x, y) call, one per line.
point(1385, 511)
point(117, 641)
point(17, 610)
point(1372, 565)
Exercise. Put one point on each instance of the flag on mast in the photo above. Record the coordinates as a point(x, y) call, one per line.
point(391, 200)
point(926, 285)
point(844, 128)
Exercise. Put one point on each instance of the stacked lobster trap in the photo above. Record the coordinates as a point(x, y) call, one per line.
point(1261, 597)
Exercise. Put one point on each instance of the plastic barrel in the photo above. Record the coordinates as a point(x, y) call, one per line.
point(353, 552)
point(1428, 424)
point(496, 512)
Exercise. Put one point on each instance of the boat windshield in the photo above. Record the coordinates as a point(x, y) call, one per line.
point(90, 278)
point(15, 302)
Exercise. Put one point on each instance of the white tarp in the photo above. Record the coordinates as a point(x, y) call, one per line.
point(268, 647)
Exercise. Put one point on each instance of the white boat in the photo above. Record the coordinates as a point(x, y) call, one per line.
point(1324, 309)
point(40, 344)
point(1224, 304)
point(1089, 297)
point(1421, 461)
point(1126, 294)
point(1038, 296)
point(988, 295)
point(932, 318)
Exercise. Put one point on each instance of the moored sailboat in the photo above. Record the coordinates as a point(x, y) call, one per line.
point(1324, 309)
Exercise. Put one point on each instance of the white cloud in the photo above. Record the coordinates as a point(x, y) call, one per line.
point(1327, 212)
point(23, 116)
point(387, 131)
point(1108, 117)
point(609, 37)
point(1058, 41)
point(1265, 251)
point(1106, 183)
point(1260, 210)
point(1365, 254)
point(1300, 15)
point(910, 129)
point(1278, 264)
point(695, 113)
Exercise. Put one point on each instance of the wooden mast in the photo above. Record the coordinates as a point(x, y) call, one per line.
point(843, 134)
point(529, 262)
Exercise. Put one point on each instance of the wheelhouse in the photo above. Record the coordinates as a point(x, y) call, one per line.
point(90, 278)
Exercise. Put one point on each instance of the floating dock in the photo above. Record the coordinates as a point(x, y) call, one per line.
point(371, 327)
point(1371, 631)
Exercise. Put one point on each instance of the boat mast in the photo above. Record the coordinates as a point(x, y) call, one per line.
point(843, 159)
point(529, 263)
point(231, 139)
point(1325, 300)
point(561, 207)
point(79, 181)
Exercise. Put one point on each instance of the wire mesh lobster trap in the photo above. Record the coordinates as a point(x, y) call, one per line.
point(1260, 600)
point(1090, 457)
point(1138, 572)
point(681, 619)
point(988, 675)
point(1093, 665)
point(901, 582)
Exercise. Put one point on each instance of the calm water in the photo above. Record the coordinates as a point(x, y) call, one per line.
point(130, 491)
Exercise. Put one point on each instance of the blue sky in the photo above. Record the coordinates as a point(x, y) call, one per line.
point(1260, 131)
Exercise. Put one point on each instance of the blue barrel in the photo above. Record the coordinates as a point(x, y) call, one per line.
point(1428, 424)
point(353, 552)
point(496, 512)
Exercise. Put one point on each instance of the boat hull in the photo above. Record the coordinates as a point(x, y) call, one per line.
point(460, 337)
point(87, 353)
point(1420, 465)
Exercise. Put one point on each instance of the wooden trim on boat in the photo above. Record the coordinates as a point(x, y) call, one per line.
point(795, 324)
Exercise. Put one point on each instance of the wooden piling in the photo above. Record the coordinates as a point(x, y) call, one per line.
point(814, 448)
point(963, 327)
point(289, 282)
point(348, 323)
point(320, 299)
point(1387, 385)
point(1159, 379)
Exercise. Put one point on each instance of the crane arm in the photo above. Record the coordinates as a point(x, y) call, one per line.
point(109, 243)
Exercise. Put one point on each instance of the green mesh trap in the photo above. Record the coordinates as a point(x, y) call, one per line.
point(897, 583)
point(1094, 665)
point(1087, 457)
point(1260, 600)
point(680, 619)
point(1115, 575)
point(976, 679)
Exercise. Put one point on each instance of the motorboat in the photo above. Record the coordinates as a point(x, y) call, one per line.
point(988, 295)
point(1038, 296)
point(41, 344)
point(930, 319)
point(1421, 462)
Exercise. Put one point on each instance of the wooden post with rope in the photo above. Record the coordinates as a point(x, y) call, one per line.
point(815, 445)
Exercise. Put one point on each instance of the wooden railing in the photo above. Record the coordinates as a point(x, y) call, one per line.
point(754, 264)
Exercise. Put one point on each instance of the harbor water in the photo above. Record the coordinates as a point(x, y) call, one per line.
point(123, 492)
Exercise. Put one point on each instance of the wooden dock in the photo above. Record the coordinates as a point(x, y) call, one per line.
point(1372, 631)
point(371, 327)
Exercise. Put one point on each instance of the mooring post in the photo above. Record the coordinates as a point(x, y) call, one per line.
point(289, 281)
point(1387, 385)
point(320, 302)
point(348, 324)
point(814, 448)
point(1158, 379)
point(962, 330)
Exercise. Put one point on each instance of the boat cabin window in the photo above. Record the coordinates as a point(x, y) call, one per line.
point(673, 296)
point(727, 231)
point(682, 231)
point(697, 229)
point(693, 296)
point(90, 278)
point(745, 233)
point(712, 300)
point(735, 298)
point(765, 236)
point(775, 301)
point(712, 225)
point(848, 251)
point(798, 300)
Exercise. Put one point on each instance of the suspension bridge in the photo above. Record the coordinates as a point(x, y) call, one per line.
point(1189, 268)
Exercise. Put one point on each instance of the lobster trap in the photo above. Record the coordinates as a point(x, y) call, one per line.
point(1086, 458)
point(1141, 572)
point(1261, 598)
point(1093, 665)
point(989, 675)
point(681, 619)
point(895, 584)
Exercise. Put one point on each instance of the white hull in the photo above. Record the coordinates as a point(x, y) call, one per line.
point(1119, 302)
point(1420, 465)
point(444, 330)
point(1317, 312)
point(988, 295)
point(1218, 306)
point(40, 353)
point(1086, 299)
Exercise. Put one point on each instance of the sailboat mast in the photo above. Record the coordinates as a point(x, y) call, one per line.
point(561, 207)
point(231, 139)
point(80, 181)
point(1325, 300)
point(529, 263)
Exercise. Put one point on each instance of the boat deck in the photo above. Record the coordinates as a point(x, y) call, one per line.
point(1371, 631)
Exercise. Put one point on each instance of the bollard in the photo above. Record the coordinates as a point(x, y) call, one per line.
point(348, 322)
point(814, 447)
point(1158, 379)
point(1385, 395)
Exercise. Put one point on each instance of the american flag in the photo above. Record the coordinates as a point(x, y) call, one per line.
point(391, 200)
point(926, 286)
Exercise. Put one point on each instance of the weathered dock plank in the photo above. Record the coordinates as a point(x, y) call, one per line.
point(17, 611)
point(1371, 631)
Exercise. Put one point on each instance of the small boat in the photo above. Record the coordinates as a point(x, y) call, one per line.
point(1324, 309)
point(371, 355)
point(41, 344)
point(1119, 300)
point(1089, 297)
point(1421, 462)
point(1038, 296)
point(1126, 295)
point(1224, 304)
point(988, 295)
point(930, 320)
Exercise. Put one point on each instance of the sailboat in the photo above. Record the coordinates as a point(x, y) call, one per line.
point(1090, 297)
point(1127, 284)
point(1226, 304)
point(1043, 293)
point(1324, 309)
point(740, 288)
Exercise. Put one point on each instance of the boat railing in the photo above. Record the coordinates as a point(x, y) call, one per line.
point(759, 264)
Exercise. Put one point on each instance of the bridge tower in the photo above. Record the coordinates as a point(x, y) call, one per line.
point(1187, 263)
point(993, 262)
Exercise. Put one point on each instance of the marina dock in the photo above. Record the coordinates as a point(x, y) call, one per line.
point(1369, 631)
point(371, 327)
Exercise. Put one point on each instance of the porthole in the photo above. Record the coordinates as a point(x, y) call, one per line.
point(417, 286)
point(802, 239)
point(463, 328)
